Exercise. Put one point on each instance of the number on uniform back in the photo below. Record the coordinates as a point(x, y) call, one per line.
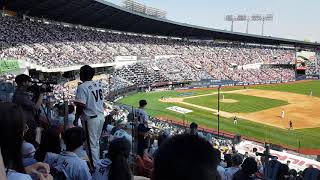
point(97, 94)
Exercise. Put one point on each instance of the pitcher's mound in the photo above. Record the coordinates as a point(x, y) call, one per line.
point(228, 101)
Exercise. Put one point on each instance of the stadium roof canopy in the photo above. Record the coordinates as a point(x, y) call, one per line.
point(102, 14)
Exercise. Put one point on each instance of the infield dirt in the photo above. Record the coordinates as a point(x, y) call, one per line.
point(302, 110)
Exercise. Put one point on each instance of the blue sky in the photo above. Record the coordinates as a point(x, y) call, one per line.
point(294, 19)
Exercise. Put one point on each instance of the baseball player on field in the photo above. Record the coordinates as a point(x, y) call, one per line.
point(282, 114)
point(89, 101)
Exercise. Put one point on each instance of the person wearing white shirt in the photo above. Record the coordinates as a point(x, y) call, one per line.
point(89, 101)
point(115, 166)
point(68, 161)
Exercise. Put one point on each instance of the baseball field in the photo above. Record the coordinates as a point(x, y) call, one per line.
point(258, 109)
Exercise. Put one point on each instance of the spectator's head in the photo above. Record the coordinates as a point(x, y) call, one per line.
point(228, 160)
point(254, 150)
point(180, 155)
point(142, 103)
point(28, 150)
point(11, 136)
point(311, 173)
point(283, 172)
point(193, 128)
point(293, 173)
point(161, 138)
point(50, 142)
point(74, 138)
point(118, 153)
point(86, 73)
point(246, 154)
point(249, 166)
point(70, 109)
point(218, 155)
point(23, 80)
point(236, 160)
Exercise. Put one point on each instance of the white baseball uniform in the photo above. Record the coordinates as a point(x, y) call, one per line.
point(70, 164)
point(282, 114)
point(90, 94)
point(102, 169)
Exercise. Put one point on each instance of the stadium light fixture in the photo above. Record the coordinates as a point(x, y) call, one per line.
point(255, 17)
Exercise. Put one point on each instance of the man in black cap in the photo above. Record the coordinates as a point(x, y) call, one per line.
point(23, 98)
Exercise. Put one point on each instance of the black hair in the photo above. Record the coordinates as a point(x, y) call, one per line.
point(186, 157)
point(11, 136)
point(228, 160)
point(70, 108)
point(293, 173)
point(87, 72)
point(74, 138)
point(50, 142)
point(218, 155)
point(161, 138)
point(193, 128)
point(142, 103)
point(311, 174)
point(236, 160)
point(249, 166)
point(193, 125)
point(21, 78)
point(282, 172)
point(118, 153)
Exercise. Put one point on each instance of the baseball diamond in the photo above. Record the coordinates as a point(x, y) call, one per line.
point(258, 109)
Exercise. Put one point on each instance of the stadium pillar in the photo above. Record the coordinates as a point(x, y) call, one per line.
point(247, 30)
point(65, 105)
point(262, 29)
point(232, 25)
point(219, 111)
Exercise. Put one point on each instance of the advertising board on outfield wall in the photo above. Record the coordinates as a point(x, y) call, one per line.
point(297, 162)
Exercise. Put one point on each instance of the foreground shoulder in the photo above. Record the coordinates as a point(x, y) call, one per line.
point(19, 176)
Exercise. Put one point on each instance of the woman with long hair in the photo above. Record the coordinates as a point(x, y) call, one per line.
point(50, 142)
point(12, 128)
point(115, 166)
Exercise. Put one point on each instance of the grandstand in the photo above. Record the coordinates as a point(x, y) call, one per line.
point(167, 62)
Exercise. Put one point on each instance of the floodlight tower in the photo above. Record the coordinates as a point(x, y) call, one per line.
point(263, 19)
point(233, 18)
point(255, 17)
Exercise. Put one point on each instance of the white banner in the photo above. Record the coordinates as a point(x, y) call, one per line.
point(297, 162)
point(125, 58)
point(179, 109)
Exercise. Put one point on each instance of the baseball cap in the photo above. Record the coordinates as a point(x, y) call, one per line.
point(28, 150)
point(22, 78)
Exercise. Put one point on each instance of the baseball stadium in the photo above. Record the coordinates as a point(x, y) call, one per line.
point(247, 95)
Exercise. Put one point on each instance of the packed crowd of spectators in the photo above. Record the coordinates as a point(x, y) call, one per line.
point(51, 147)
point(131, 148)
point(56, 45)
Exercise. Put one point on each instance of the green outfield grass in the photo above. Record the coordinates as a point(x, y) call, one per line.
point(300, 88)
point(252, 103)
point(306, 138)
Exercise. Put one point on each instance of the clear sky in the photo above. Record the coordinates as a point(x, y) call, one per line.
point(293, 19)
